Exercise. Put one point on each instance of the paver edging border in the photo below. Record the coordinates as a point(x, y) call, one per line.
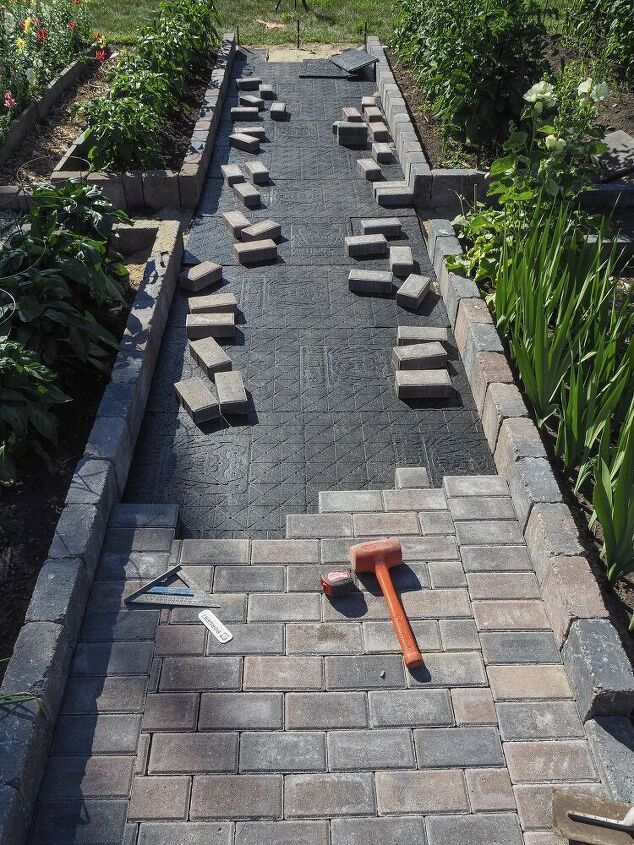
point(157, 189)
point(603, 688)
point(12, 197)
point(41, 659)
point(444, 187)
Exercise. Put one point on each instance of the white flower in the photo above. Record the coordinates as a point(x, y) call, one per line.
point(553, 143)
point(600, 92)
point(9, 23)
point(585, 87)
point(30, 76)
point(540, 91)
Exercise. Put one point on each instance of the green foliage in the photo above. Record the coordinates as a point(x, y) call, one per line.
point(605, 29)
point(36, 42)
point(475, 59)
point(124, 126)
point(27, 396)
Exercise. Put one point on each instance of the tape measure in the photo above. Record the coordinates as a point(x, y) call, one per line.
point(337, 582)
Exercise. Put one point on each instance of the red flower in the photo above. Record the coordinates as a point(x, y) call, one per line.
point(101, 55)
point(78, 2)
point(96, 35)
point(72, 25)
point(9, 102)
point(42, 34)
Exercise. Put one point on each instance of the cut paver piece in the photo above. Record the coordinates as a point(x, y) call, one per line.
point(419, 356)
point(248, 193)
point(411, 478)
point(401, 261)
point(201, 276)
point(388, 226)
point(412, 292)
point(251, 101)
point(382, 152)
point(258, 131)
point(369, 101)
point(231, 173)
point(379, 132)
point(236, 222)
point(351, 114)
point(373, 114)
point(361, 246)
point(420, 334)
point(351, 134)
point(212, 303)
point(376, 282)
point(257, 172)
point(393, 194)
point(369, 169)
point(248, 83)
point(210, 325)
point(423, 384)
point(262, 230)
point(231, 393)
point(267, 92)
point(239, 113)
point(278, 111)
point(199, 399)
point(209, 355)
point(241, 141)
point(254, 251)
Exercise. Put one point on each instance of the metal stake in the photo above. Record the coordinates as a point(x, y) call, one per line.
point(298, 33)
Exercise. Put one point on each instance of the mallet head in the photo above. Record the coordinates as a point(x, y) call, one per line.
point(364, 557)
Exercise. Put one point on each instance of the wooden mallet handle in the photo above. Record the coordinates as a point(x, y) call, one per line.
point(411, 655)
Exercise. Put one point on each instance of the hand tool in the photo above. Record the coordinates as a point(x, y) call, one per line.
point(337, 582)
point(167, 592)
point(592, 818)
point(379, 556)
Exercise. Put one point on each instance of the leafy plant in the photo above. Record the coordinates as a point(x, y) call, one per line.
point(475, 59)
point(28, 394)
point(605, 28)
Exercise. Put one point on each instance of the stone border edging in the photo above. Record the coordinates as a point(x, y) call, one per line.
point(599, 670)
point(12, 196)
point(42, 655)
point(442, 187)
point(157, 189)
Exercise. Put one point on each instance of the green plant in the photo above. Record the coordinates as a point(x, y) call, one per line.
point(605, 29)
point(124, 128)
point(28, 394)
point(475, 59)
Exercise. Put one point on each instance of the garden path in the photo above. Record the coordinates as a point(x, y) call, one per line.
point(305, 729)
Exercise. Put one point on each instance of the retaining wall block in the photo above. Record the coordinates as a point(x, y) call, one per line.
point(444, 247)
point(470, 311)
point(79, 534)
point(550, 531)
point(94, 483)
point(25, 739)
point(191, 179)
point(480, 337)
point(599, 670)
point(450, 185)
point(531, 480)
point(60, 596)
point(437, 228)
point(160, 189)
point(14, 820)
point(453, 287)
point(503, 401)
point(569, 592)
point(111, 184)
point(111, 438)
point(611, 741)
point(518, 438)
point(489, 368)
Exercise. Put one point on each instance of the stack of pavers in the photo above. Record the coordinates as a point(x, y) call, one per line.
point(254, 242)
point(211, 316)
point(252, 97)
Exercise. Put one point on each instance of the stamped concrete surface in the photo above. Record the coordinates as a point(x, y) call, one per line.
point(315, 357)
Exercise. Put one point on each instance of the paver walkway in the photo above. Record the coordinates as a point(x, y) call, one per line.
point(305, 729)
point(315, 357)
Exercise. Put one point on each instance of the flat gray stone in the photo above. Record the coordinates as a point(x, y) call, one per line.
point(446, 747)
point(253, 252)
point(138, 515)
point(362, 246)
point(369, 169)
point(231, 173)
point(282, 751)
point(364, 671)
point(247, 193)
point(248, 83)
point(281, 833)
point(266, 92)
point(209, 355)
point(423, 384)
point(519, 647)
point(496, 559)
point(325, 710)
point(198, 398)
point(373, 282)
point(378, 831)
point(349, 501)
point(401, 261)
point(193, 833)
point(477, 829)
point(241, 711)
point(611, 741)
point(242, 141)
point(222, 324)
point(599, 670)
point(327, 795)
point(351, 134)
point(528, 720)
point(406, 335)
point(231, 393)
point(251, 101)
point(370, 750)
point(393, 194)
point(413, 291)
point(388, 226)
point(379, 132)
point(382, 152)
point(408, 478)
point(213, 303)
point(60, 595)
point(351, 114)
point(254, 131)
point(244, 113)
point(389, 708)
point(419, 356)
point(262, 230)
point(235, 222)
point(278, 111)
point(258, 172)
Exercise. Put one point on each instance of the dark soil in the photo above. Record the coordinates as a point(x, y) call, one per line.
point(178, 131)
point(31, 507)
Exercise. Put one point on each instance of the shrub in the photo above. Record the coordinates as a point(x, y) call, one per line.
point(475, 59)
point(606, 29)
point(36, 42)
point(124, 127)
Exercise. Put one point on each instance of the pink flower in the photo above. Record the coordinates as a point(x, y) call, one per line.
point(72, 25)
point(9, 101)
point(101, 55)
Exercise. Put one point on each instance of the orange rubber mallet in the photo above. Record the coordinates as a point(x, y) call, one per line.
point(379, 556)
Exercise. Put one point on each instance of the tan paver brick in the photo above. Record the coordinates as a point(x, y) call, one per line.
point(502, 585)
point(473, 706)
point(236, 796)
point(426, 791)
point(159, 798)
point(514, 682)
point(535, 802)
point(282, 672)
point(510, 615)
point(554, 760)
point(388, 524)
point(489, 789)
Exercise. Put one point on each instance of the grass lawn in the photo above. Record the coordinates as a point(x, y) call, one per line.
point(327, 21)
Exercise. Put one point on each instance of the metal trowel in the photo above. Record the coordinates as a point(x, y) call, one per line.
point(588, 818)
